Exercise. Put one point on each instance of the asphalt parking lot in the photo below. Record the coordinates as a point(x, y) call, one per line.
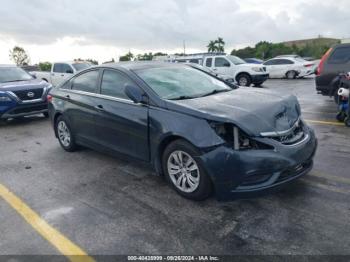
point(109, 206)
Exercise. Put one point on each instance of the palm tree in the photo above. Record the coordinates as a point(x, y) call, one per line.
point(220, 42)
point(212, 46)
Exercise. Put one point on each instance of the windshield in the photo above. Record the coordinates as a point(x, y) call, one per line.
point(13, 74)
point(236, 60)
point(81, 66)
point(181, 82)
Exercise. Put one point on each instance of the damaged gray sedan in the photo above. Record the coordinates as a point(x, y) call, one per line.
point(201, 134)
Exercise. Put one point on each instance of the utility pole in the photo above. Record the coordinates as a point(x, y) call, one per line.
point(184, 44)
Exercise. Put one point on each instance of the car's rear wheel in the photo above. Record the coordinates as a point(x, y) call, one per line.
point(65, 135)
point(185, 172)
point(291, 74)
point(244, 80)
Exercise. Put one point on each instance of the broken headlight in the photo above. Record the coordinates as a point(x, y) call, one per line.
point(236, 138)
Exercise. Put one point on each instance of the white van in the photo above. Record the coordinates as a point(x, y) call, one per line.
point(244, 74)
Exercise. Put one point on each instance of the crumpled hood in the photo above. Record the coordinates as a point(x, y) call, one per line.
point(254, 111)
point(23, 85)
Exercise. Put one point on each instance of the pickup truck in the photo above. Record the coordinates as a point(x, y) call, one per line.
point(60, 71)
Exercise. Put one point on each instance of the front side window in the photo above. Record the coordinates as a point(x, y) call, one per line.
point(57, 68)
point(86, 82)
point(67, 69)
point(113, 84)
point(221, 62)
point(13, 74)
point(179, 82)
point(271, 62)
point(285, 62)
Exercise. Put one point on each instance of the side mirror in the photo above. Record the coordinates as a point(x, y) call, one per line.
point(69, 71)
point(135, 93)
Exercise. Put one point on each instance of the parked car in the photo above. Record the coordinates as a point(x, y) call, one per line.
point(21, 94)
point(335, 61)
point(289, 67)
point(245, 74)
point(60, 71)
point(198, 132)
point(253, 61)
point(228, 79)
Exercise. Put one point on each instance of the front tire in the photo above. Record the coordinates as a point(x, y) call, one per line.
point(244, 80)
point(185, 172)
point(65, 135)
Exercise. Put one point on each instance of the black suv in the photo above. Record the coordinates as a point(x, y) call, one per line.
point(333, 63)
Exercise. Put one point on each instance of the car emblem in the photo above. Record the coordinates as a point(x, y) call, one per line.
point(30, 94)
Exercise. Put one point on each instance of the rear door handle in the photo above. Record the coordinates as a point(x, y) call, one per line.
point(99, 107)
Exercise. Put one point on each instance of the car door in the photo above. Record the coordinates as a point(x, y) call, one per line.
point(272, 67)
point(337, 62)
point(60, 72)
point(121, 124)
point(81, 105)
point(222, 66)
point(285, 65)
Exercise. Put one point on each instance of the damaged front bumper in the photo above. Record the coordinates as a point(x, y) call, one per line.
point(238, 173)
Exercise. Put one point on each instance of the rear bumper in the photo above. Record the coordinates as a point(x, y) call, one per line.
point(259, 78)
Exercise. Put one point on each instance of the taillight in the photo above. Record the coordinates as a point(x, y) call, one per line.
point(49, 98)
point(321, 64)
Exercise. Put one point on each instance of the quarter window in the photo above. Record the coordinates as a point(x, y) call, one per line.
point(340, 55)
point(62, 68)
point(113, 84)
point(221, 62)
point(86, 82)
point(208, 62)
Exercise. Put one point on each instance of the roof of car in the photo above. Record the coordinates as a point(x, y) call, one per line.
point(3, 65)
point(136, 65)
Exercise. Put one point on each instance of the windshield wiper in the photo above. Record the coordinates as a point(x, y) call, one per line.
point(215, 91)
point(13, 81)
point(182, 97)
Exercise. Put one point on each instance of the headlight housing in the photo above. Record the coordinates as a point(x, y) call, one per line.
point(257, 69)
point(4, 97)
point(236, 138)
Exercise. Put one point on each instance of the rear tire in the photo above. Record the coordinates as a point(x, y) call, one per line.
point(65, 134)
point(185, 172)
point(291, 74)
point(244, 80)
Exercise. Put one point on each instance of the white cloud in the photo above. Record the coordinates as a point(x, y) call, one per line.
point(104, 29)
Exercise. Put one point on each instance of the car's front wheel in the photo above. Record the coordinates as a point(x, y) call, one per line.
point(244, 80)
point(184, 171)
point(65, 135)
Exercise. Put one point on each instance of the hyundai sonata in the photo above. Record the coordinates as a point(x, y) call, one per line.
point(194, 129)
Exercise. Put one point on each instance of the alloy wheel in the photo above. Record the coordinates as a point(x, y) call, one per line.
point(63, 133)
point(183, 171)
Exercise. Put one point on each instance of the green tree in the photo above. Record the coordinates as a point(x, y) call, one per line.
point(145, 57)
point(92, 61)
point(19, 56)
point(245, 52)
point(263, 50)
point(45, 66)
point(212, 46)
point(126, 57)
point(220, 44)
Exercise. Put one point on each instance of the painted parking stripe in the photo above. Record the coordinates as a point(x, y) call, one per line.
point(53, 236)
point(333, 123)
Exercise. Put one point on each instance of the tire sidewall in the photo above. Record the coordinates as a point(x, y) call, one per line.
point(204, 188)
point(294, 74)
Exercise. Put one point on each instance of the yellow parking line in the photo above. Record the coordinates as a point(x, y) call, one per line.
point(325, 122)
point(55, 238)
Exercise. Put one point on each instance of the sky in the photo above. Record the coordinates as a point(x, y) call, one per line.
point(64, 30)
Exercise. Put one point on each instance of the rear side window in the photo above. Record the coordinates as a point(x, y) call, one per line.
point(62, 68)
point(208, 62)
point(340, 55)
point(271, 62)
point(113, 84)
point(285, 62)
point(86, 82)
